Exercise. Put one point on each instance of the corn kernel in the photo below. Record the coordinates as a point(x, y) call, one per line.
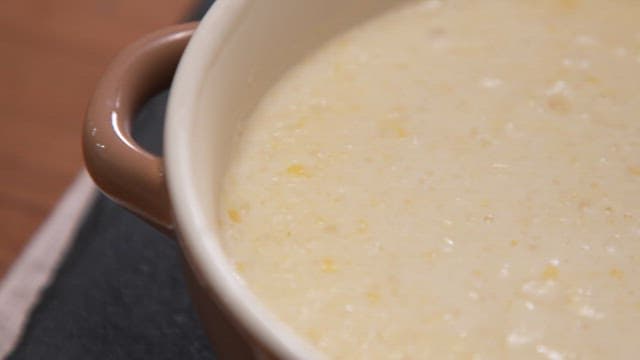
point(234, 215)
point(297, 170)
point(363, 226)
point(328, 265)
point(330, 228)
point(514, 242)
point(568, 5)
point(550, 272)
point(341, 71)
point(301, 122)
point(430, 255)
point(393, 127)
point(313, 334)
point(373, 296)
point(275, 145)
point(400, 131)
point(616, 273)
point(559, 104)
point(584, 204)
point(634, 170)
point(592, 80)
point(240, 267)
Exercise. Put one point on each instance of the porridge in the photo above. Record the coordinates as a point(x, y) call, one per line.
point(451, 179)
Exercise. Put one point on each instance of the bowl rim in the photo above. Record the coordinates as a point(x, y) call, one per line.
point(198, 241)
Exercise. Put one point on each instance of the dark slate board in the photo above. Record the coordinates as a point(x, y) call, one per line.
point(119, 292)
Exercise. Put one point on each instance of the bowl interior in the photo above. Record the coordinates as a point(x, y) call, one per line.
point(268, 38)
point(239, 50)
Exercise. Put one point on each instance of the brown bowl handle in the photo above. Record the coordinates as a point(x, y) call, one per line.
point(121, 168)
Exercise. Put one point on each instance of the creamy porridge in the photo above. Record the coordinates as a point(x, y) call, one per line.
point(452, 179)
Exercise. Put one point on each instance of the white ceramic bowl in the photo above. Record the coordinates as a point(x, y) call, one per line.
point(236, 53)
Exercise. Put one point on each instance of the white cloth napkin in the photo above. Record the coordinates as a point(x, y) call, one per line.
point(31, 272)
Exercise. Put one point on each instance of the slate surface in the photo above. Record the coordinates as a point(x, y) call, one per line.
point(119, 293)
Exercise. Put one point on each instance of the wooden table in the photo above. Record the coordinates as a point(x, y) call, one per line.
point(52, 54)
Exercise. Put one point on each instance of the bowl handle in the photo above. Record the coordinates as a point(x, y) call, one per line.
point(120, 167)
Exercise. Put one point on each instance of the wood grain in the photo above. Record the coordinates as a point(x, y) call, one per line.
point(52, 53)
